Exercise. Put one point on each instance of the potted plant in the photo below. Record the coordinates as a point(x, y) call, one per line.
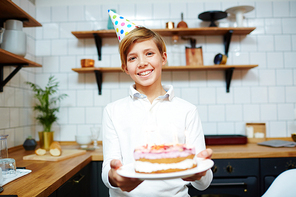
point(47, 108)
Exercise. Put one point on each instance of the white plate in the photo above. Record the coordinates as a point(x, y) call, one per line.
point(129, 171)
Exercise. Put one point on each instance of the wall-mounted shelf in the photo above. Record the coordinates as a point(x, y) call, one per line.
point(227, 32)
point(227, 68)
point(9, 10)
point(10, 59)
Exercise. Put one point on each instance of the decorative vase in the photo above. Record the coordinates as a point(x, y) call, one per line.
point(30, 143)
point(45, 139)
point(14, 39)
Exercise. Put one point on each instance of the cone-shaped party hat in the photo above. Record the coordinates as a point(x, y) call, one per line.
point(122, 25)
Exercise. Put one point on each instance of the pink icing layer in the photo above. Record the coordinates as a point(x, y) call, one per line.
point(163, 151)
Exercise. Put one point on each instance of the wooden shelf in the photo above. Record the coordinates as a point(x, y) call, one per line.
point(10, 59)
point(7, 58)
point(167, 68)
point(209, 31)
point(228, 69)
point(9, 10)
point(227, 32)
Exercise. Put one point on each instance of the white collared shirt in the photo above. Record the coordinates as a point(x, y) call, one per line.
point(134, 121)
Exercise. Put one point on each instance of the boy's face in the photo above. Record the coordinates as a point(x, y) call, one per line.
point(144, 63)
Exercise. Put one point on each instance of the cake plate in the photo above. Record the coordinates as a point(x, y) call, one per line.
point(212, 16)
point(129, 171)
point(239, 11)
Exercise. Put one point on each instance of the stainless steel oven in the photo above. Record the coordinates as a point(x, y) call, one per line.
point(232, 178)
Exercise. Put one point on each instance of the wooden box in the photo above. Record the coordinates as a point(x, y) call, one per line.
point(259, 132)
point(194, 56)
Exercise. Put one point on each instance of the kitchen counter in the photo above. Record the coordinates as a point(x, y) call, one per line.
point(47, 176)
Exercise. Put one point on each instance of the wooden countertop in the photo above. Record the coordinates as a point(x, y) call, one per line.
point(47, 176)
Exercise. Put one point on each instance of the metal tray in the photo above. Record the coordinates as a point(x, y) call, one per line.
point(225, 139)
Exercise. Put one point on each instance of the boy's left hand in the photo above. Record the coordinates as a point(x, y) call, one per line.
point(207, 154)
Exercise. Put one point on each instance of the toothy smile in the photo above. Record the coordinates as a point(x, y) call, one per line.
point(145, 73)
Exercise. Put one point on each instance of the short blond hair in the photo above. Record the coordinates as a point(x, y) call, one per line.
point(138, 35)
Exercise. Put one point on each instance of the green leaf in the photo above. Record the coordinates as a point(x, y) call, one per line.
point(47, 102)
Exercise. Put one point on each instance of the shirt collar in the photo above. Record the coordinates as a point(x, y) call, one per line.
point(134, 94)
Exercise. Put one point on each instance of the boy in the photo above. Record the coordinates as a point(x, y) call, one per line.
point(151, 112)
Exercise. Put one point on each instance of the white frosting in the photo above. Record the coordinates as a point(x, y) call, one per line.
point(150, 167)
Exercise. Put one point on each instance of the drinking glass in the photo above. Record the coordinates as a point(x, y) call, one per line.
point(95, 133)
point(8, 167)
point(3, 146)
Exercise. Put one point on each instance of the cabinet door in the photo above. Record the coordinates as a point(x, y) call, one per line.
point(270, 168)
point(78, 185)
point(98, 187)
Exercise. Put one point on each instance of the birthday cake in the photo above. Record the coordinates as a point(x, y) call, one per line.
point(164, 158)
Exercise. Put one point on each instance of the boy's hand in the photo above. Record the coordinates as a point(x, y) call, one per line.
point(207, 154)
point(124, 183)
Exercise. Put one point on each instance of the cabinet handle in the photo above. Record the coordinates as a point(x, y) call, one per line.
point(228, 184)
point(77, 181)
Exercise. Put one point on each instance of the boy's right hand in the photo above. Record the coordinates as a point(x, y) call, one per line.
point(124, 183)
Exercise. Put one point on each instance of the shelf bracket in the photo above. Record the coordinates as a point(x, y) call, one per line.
point(228, 77)
point(98, 41)
point(227, 38)
point(5, 81)
point(99, 80)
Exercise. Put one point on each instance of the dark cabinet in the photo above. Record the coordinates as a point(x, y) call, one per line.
point(270, 168)
point(78, 185)
point(86, 183)
point(244, 177)
point(234, 177)
point(98, 187)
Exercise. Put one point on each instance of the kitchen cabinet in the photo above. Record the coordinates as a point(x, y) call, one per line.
point(87, 182)
point(9, 10)
point(245, 177)
point(77, 186)
point(270, 168)
point(210, 31)
point(237, 177)
point(47, 177)
point(98, 187)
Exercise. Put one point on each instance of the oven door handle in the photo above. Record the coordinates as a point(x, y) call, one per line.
point(228, 184)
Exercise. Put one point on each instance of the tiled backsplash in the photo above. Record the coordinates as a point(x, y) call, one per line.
point(263, 94)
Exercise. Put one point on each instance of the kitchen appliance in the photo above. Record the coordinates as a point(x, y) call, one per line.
point(212, 16)
point(14, 39)
point(232, 178)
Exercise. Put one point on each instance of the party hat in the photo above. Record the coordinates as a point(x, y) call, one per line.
point(122, 25)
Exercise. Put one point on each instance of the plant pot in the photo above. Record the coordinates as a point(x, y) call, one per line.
point(45, 139)
point(30, 144)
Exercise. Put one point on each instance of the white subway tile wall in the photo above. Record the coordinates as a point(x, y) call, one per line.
point(263, 94)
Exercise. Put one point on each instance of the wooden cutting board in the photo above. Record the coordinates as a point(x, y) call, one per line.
point(66, 154)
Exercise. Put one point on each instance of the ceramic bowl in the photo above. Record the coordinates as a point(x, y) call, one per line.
point(293, 135)
point(83, 140)
point(87, 63)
